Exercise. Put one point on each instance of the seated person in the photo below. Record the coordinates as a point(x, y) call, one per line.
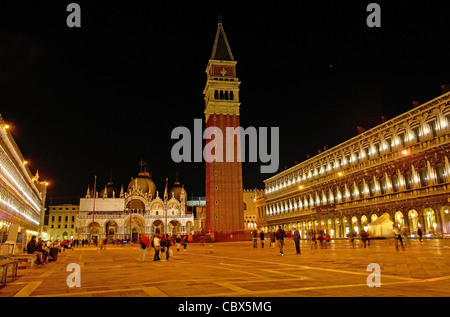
point(32, 249)
point(41, 248)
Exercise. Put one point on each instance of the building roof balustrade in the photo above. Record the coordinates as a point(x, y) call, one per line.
point(399, 196)
point(356, 143)
point(357, 168)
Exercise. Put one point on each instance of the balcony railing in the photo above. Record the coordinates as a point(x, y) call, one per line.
point(431, 190)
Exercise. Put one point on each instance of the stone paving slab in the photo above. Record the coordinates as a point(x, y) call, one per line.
point(235, 269)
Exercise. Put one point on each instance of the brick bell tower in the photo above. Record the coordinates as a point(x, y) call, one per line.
point(224, 188)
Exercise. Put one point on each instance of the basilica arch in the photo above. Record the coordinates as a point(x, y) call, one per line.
point(111, 230)
point(136, 228)
point(174, 227)
point(138, 204)
point(157, 224)
point(94, 230)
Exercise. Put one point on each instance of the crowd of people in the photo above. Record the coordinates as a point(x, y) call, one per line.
point(161, 244)
point(322, 239)
point(42, 248)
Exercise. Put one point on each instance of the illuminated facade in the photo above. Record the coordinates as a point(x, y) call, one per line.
point(22, 195)
point(106, 215)
point(400, 167)
point(249, 211)
point(62, 222)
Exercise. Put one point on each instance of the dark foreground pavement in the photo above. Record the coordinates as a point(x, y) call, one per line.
point(235, 269)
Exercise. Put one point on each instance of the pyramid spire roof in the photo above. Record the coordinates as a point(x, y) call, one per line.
point(221, 49)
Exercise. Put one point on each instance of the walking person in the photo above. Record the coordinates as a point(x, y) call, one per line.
point(255, 238)
point(167, 246)
point(156, 243)
point(163, 243)
point(297, 241)
point(420, 233)
point(405, 237)
point(261, 238)
point(327, 240)
point(178, 242)
point(398, 237)
point(145, 243)
point(352, 236)
point(313, 241)
point(103, 243)
point(209, 241)
point(272, 238)
point(280, 235)
point(364, 237)
point(185, 241)
point(321, 239)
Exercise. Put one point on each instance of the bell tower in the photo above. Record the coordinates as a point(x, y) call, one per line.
point(224, 188)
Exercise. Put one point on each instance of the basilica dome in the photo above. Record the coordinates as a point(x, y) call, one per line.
point(109, 189)
point(144, 182)
point(177, 189)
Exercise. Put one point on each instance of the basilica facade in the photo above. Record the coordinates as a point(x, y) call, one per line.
point(132, 212)
point(395, 174)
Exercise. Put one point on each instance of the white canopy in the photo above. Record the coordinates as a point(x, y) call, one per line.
point(381, 227)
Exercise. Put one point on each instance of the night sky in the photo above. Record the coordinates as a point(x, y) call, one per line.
point(96, 100)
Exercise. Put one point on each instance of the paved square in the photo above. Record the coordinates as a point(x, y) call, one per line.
point(236, 269)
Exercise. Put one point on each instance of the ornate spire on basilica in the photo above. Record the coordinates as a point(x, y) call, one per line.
point(165, 191)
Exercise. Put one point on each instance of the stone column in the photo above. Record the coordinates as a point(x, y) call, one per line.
point(12, 236)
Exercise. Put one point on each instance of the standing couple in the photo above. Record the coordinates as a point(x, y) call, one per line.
point(280, 235)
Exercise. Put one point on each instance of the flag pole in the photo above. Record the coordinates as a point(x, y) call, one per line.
point(166, 196)
point(131, 205)
point(93, 207)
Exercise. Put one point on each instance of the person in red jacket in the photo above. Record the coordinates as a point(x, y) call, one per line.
point(145, 243)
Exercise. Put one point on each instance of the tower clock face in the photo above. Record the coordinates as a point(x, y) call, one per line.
point(222, 70)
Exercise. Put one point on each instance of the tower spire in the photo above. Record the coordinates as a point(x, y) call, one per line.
point(221, 48)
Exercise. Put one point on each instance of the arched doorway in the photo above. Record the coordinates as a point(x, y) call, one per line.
point(135, 228)
point(111, 230)
point(430, 221)
point(346, 226)
point(355, 225)
point(445, 216)
point(330, 228)
point(174, 227)
point(364, 223)
point(310, 228)
point(94, 230)
point(413, 219)
point(338, 228)
point(373, 217)
point(399, 220)
point(157, 224)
